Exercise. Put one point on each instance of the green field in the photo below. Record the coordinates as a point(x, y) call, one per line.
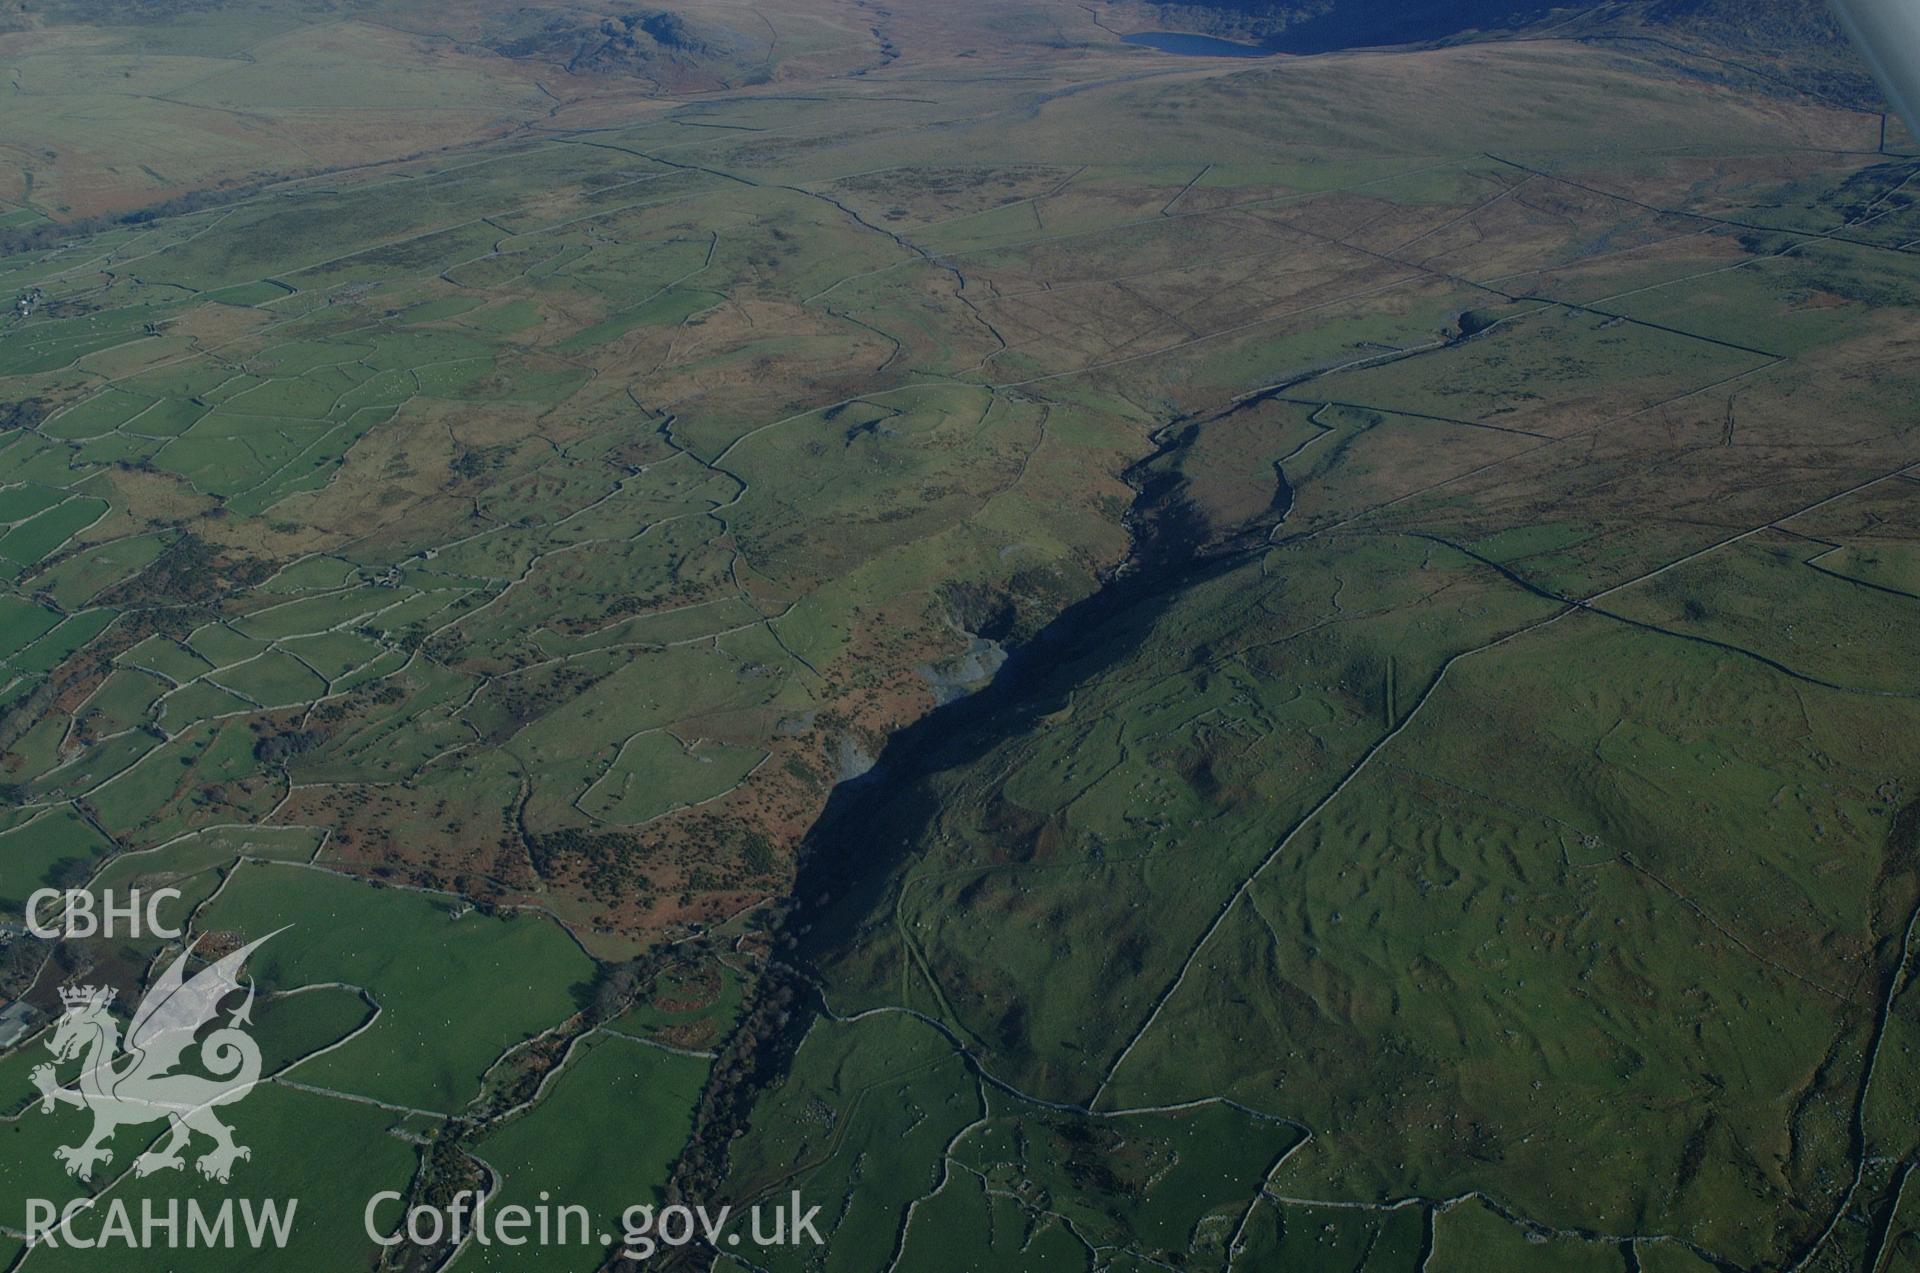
point(624, 1092)
point(1368, 597)
point(434, 1038)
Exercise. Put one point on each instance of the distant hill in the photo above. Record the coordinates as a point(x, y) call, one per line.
point(591, 40)
point(1320, 26)
point(1317, 26)
point(1777, 40)
point(1804, 26)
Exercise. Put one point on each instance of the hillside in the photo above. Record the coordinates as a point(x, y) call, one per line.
point(1782, 45)
point(1077, 656)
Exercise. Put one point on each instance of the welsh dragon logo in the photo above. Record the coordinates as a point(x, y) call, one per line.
point(136, 1082)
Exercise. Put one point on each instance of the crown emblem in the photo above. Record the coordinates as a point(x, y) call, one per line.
point(82, 996)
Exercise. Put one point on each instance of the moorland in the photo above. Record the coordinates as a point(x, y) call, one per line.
point(1096, 658)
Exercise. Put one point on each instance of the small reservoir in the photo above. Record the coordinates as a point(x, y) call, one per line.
point(1195, 45)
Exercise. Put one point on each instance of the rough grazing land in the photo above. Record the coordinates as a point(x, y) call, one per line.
point(1381, 587)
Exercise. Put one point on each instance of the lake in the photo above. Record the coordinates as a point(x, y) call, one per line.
point(1195, 45)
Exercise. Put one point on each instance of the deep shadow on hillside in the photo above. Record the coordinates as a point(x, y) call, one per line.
point(1349, 26)
point(1290, 26)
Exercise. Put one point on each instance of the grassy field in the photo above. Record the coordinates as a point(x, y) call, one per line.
point(434, 1038)
point(637, 1100)
point(1450, 803)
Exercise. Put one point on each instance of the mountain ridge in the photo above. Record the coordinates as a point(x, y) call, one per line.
point(1771, 40)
